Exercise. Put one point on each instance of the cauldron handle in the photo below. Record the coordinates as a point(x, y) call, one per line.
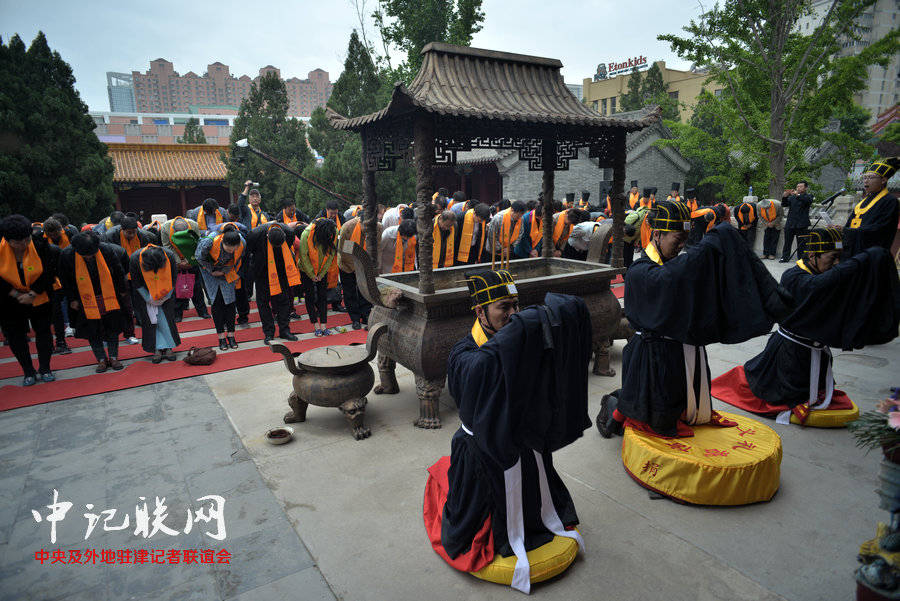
point(375, 332)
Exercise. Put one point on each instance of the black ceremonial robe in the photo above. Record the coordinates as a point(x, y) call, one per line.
point(877, 228)
point(521, 395)
point(849, 306)
point(716, 291)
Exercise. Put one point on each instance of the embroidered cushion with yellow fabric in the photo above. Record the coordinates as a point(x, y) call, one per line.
point(717, 466)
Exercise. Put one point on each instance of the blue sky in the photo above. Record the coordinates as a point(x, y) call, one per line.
point(96, 36)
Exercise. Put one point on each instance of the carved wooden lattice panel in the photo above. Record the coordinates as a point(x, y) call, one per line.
point(384, 146)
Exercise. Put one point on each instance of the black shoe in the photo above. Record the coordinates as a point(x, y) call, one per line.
point(782, 260)
point(63, 349)
point(606, 423)
point(223, 345)
point(356, 325)
point(243, 320)
point(294, 315)
point(204, 315)
point(268, 339)
point(339, 309)
point(178, 319)
point(232, 342)
point(289, 336)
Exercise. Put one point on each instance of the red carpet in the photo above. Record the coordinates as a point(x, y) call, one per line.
point(732, 388)
point(141, 373)
point(617, 285)
point(83, 356)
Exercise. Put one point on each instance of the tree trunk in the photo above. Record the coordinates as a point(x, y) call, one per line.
point(776, 152)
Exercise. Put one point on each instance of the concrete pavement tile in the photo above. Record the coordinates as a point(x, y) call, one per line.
point(228, 481)
point(27, 579)
point(199, 459)
point(140, 579)
point(200, 589)
point(306, 585)
point(59, 463)
point(251, 512)
point(124, 452)
point(258, 559)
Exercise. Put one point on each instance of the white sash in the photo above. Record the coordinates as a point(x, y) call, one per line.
point(815, 360)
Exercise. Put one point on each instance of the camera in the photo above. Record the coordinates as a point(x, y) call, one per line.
point(254, 185)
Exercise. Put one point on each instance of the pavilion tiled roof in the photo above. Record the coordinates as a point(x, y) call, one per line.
point(167, 163)
point(458, 81)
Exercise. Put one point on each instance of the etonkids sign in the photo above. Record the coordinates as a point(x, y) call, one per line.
point(605, 70)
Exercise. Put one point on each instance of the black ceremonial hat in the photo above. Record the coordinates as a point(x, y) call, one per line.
point(570, 197)
point(823, 240)
point(676, 185)
point(670, 216)
point(487, 286)
point(884, 167)
point(634, 183)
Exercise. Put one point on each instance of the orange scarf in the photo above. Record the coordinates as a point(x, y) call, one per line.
point(290, 268)
point(769, 213)
point(256, 218)
point(130, 246)
point(536, 228)
point(448, 251)
point(86, 287)
point(286, 219)
point(313, 250)
point(356, 235)
point(63, 239)
point(404, 261)
point(750, 217)
point(562, 229)
point(201, 219)
point(465, 239)
point(633, 200)
point(235, 260)
point(647, 202)
point(505, 237)
point(159, 282)
point(32, 266)
point(691, 204)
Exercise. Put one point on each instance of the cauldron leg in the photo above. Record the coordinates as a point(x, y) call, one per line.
point(355, 412)
point(601, 359)
point(388, 384)
point(298, 410)
point(429, 392)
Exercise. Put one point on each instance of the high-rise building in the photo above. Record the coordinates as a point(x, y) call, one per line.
point(882, 90)
point(121, 92)
point(164, 90)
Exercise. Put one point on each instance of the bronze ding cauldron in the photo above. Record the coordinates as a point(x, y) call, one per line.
point(333, 376)
point(422, 328)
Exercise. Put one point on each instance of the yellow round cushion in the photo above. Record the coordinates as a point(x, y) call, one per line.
point(829, 418)
point(546, 561)
point(717, 466)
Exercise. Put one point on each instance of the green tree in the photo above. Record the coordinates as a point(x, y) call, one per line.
point(784, 87)
point(193, 133)
point(654, 90)
point(632, 100)
point(409, 25)
point(653, 85)
point(50, 158)
point(356, 92)
point(262, 119)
